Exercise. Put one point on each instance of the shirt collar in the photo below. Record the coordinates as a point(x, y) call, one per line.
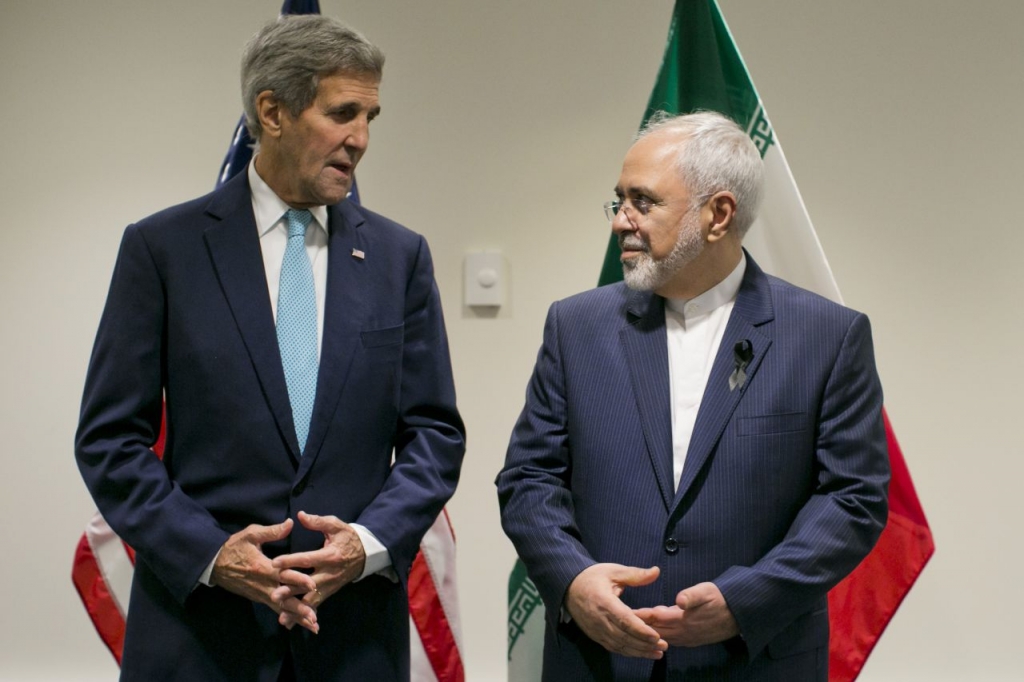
point(715, 297)
point(269, 208)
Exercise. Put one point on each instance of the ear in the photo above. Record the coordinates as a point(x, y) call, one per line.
point(722, 209)
point(270, 113)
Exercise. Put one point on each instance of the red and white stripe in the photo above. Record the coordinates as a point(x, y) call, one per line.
point(103, 568)
point(436, 634)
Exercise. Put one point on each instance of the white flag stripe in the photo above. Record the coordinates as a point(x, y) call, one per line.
point(438, 547)
point(112, 561)
point(527, 659)
point(782, 239)
point(420, 669)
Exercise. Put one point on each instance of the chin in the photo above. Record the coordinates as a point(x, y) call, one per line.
point(643, 273)
point(637, 280)
point(333, 197)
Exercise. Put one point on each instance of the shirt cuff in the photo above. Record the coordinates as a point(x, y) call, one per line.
point(204, 579)
point(378, 559)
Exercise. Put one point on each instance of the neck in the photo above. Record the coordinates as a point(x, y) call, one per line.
point(267, 168)
point(713, 265)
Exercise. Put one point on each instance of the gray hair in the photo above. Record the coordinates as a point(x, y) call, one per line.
point(288, 56)
point(714, 154)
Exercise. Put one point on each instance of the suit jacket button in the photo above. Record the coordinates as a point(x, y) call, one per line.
point(671, 546)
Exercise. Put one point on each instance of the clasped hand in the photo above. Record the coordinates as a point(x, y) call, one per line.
point(243, 568)
point(700, 615)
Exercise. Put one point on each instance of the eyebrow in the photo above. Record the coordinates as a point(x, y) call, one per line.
point(353, 108)
point(633, 191)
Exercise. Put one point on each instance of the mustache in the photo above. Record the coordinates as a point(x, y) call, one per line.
point(633, 243)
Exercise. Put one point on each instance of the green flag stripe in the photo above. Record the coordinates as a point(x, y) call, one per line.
point(702, 68)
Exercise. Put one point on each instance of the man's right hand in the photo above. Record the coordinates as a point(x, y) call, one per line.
point(243, 568)
point(593, 602)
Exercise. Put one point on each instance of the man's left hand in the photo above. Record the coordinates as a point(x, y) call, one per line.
point(337, 563)
point(699, 617)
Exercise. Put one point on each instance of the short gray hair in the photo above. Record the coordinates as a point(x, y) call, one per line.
point(290, 55)
point(714, 154)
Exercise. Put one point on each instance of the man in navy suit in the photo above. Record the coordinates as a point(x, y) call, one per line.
point(701, 456)
point(274, 540)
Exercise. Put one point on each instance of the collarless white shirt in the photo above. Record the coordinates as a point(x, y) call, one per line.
point(694, 329)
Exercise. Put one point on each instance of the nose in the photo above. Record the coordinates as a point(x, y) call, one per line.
point(622, 222)
point(359, 135)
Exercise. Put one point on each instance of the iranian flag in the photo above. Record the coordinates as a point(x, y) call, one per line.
point(702, 70)
point(103, 565)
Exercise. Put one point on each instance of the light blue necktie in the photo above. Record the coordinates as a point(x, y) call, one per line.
point(296, 324)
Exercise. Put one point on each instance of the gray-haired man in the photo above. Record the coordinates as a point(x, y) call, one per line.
point(312, 433)
point(701, 456)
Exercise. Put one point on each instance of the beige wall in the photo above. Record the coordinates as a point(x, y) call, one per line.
point(504, 125)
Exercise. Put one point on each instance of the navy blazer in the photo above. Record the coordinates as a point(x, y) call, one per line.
point(188, 319)
point(782, 493)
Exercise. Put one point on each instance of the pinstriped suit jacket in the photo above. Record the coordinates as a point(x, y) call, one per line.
point(782, 494)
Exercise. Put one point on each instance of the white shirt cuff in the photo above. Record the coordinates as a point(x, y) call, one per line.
point(378, 559)
point(204, 579)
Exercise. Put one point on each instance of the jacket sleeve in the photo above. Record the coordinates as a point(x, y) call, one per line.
point(430, 437)
point(537, 511)
point(120, 421)
point(845, 513)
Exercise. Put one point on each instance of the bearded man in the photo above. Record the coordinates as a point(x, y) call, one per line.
point(701, 456)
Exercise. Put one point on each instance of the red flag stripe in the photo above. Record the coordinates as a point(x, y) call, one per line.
point(902, 496)
point(861, 606)
point(99, 604)
point(438, 632)
point(890, 571)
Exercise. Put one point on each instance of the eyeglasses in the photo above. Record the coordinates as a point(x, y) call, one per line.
point(643, 205)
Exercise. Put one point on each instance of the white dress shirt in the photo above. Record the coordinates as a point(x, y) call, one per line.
point(695, 328)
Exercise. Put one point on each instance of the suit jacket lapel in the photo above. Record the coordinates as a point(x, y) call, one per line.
point(234, 247)
point(645, 347)
point(346, 297)
point(753, 307)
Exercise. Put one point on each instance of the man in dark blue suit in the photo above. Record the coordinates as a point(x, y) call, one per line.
point(297, 340)
point(701, 456)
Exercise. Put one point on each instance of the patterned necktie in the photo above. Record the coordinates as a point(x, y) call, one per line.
point(297, 334)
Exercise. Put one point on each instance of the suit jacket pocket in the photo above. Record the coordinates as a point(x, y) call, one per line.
point(382, 349)
point(377, 338)
point(809, 631)
point(789, 422)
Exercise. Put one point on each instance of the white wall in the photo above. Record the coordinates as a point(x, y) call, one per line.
point(504, 126)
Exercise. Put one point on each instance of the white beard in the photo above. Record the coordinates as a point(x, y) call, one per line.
point(643, 273)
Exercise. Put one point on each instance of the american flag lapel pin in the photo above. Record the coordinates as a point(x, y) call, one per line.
point(356, 253)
